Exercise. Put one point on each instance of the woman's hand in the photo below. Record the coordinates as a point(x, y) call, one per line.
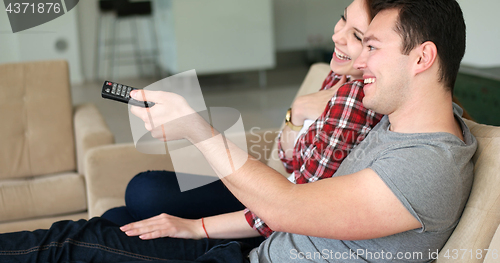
point(164, 225)
point(311, 106)
point(171, 117)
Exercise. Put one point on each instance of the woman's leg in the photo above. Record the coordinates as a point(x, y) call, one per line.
point(154, 192)
point(119, 215)
point(99, 240)
point(151, 193)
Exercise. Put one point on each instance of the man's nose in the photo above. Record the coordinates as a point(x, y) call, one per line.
point(360, 62)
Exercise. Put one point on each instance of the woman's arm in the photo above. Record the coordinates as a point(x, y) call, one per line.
point(307, 107)
point(225, 226)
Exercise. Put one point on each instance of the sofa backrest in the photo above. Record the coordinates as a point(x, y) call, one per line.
point(481, 216)
point(312, 83)
point(36, 132)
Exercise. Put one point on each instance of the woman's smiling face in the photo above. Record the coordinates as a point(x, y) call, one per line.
point(348, 36)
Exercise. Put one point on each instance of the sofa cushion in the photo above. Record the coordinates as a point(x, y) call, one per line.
point(104, 204)
point(494, 248)
point(42, 196)
point(481, 216)
point(36, 112)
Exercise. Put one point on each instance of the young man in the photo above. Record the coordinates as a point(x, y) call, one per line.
point(398, 195)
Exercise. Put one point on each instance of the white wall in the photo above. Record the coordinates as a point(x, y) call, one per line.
point(9, 51)
point(294, 22)
point(39, 43)
point(298, 22)
point(483, 32)
point(215, 36)
point(87, 20)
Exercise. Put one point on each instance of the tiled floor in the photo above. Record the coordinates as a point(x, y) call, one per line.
point(260, 107)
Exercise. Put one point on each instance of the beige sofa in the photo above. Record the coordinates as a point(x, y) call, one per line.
point(44, 139)
point(108, 168)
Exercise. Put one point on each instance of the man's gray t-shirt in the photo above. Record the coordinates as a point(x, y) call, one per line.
point(430, 173)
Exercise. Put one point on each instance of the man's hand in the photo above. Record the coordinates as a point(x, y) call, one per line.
point(171, 117)
point(164, 225)
point(311, 106)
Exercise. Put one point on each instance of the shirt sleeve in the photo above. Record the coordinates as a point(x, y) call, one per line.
point(258, 224)
point(427, 181)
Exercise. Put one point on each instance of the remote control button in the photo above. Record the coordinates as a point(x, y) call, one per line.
point(123, 92)
point(113, 91)
point(128, 92)
point(108, 90)
point(119, 90)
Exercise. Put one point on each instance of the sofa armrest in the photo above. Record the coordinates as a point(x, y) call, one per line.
point(263, 146)
point(90, 131)
point(109, 169)
point(314, 79)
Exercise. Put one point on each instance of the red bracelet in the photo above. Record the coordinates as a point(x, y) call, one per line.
point(203, 224)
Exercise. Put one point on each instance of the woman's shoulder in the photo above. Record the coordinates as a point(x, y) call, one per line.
point(333, 78)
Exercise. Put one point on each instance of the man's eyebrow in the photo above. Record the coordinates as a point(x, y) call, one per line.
point(371, 38)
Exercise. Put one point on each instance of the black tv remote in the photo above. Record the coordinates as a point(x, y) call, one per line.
point(118, 92)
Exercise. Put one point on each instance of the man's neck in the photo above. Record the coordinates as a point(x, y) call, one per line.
point(426, 114)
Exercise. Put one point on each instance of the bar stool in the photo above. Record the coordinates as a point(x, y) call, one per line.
point(118, 11)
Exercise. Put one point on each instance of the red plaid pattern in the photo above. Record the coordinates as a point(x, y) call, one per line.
point(319, 152)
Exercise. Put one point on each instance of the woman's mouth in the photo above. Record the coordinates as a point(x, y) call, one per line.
point(341, 55)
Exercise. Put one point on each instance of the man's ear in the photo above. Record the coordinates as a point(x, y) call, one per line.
point(425, 55)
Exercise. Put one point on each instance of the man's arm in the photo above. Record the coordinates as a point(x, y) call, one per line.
point(356, 206)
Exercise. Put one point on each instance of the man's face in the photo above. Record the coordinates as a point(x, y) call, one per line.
point(385, 68)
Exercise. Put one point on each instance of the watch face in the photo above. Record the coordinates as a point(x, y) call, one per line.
point(289, 123)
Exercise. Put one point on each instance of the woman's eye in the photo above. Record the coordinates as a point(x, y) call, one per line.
point(357, 37)
point(371, 48)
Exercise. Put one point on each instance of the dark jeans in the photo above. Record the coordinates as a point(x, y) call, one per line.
point(151, 193)
point(99, 240)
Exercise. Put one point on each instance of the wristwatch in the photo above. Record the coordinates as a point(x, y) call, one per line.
point(288, 121)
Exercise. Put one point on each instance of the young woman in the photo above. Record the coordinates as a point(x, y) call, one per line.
point(338, 122)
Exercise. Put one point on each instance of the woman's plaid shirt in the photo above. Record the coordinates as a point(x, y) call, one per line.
point(319, 152)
